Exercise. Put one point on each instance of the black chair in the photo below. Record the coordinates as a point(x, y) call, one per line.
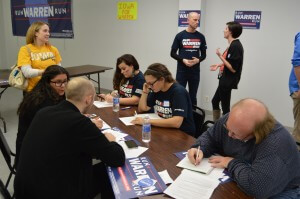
point(4, 192)
point(7, 154)
point(199, 117)
point(206, 125)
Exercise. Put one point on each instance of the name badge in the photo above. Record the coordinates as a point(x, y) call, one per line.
point(166, 104)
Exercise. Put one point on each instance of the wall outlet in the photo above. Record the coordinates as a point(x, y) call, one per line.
point(206, 99)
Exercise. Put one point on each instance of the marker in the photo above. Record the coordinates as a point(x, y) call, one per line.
point(124, 108)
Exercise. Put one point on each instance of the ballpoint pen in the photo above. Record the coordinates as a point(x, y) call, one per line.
point(124, 108)
point(197, 155)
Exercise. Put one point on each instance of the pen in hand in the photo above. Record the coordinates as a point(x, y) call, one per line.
point(135, 114)
point(197, 155)
point(124, 108)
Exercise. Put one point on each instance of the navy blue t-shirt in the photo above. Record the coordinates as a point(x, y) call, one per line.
point(133, 86)
point(190, 45)
point(174, 102)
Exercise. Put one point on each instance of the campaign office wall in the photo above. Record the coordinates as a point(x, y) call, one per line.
point(267, 53)
point(100, 38)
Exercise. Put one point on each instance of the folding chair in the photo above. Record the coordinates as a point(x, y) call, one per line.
point(206, 125)
point(4, 192)
point(6, 152)
point(199, 117)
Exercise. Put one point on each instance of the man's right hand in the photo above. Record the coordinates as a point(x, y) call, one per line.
point(192, 153)
point(110, 137)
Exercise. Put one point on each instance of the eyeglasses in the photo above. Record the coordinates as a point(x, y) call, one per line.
point(59, 84)
point(151, 84)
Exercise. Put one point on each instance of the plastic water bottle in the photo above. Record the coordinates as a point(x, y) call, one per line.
point(116, 101)
point(146, 129)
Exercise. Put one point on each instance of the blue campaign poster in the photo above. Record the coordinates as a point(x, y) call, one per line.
point(57, 13)
point(136, 178)
point(248, 19)
point(183, 15)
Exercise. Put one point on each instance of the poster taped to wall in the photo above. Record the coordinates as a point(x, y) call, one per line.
point(57, 13)
point(248, 19)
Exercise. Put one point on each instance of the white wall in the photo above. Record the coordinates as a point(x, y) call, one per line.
point(100, 38)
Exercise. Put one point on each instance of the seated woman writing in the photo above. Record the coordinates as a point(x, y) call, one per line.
point(128, 80)
point(168, 98)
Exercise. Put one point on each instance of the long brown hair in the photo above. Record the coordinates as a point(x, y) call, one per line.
point(42, 90)
point(158, 71)
point(119, 78)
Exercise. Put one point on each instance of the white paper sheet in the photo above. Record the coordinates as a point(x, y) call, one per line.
point(165, 177)
point(133, 152)
point(104, 104)
point(127, 120)
point(119, 136)
point(191, 184)
point(203, 167)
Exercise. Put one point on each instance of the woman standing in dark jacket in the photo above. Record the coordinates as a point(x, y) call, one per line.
point(230, 69)
point(50, 90)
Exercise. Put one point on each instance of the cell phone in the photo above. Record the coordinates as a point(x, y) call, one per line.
point(92, 116)
point(131, 144)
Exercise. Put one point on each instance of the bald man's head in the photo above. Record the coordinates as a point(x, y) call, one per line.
point(193, 20)
point(78, 88)
point(251, 117)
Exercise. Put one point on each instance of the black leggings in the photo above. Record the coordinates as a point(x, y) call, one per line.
point(222, 95)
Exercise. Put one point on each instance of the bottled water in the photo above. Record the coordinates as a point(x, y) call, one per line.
point(146, 129)
point(116, 101)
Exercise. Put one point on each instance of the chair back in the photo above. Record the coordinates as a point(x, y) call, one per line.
point(199, 117)
point(4, 192)
point(6, 152)
point(206, 125)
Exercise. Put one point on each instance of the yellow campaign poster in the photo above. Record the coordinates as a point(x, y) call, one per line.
point(127, 10)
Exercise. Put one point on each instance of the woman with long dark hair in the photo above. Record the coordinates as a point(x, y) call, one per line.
point(50, 90)
point(128, 81)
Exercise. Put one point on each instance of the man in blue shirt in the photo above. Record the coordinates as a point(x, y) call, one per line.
point(294, 88)
point(192, 50)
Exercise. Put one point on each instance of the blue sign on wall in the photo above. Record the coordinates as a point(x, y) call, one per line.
point(248, 19)
point(57, 13)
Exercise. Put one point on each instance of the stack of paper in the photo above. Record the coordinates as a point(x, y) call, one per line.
point(104, 104)
point(127, 120)
point(132, 152)
point(190, 184)
point(203, 167)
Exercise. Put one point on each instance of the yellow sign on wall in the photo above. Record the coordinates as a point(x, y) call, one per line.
point(127, 10)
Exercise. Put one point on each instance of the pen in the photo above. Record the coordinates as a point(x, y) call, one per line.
point(197, 155)
point(124, 108)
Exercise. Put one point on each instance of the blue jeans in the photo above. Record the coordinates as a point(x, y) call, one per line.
point(288, 194)
point(193, 80)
